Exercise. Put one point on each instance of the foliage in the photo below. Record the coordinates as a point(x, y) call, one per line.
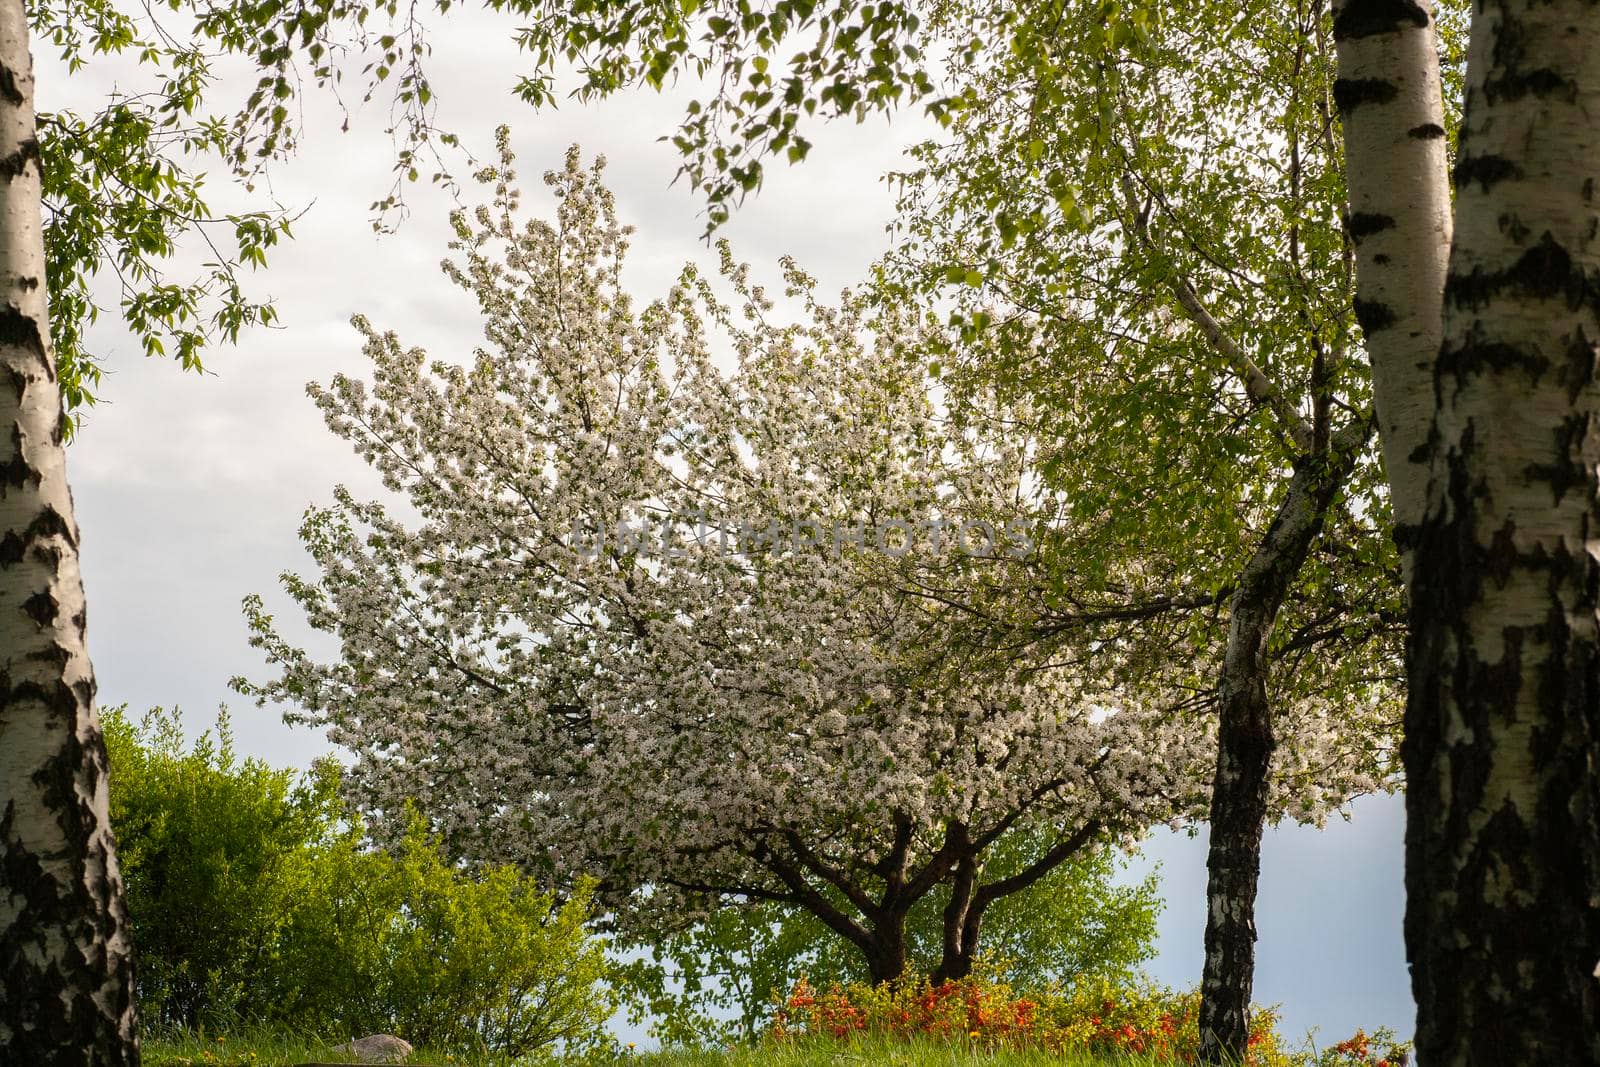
point(253, 897)
point(124, 186)
point(257, 1047)
point(401, 942)
point(1378, 1049)
point(1137, 224)
point(124, 192)
point(1075, 924)
point(215, 856)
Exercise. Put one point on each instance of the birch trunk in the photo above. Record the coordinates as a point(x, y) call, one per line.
point(1388, 95)
point(66, 992)
point(1503, 720)
point(1245, 743)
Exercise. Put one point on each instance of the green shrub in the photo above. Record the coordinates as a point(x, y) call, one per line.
point(253, 898)
point(404, 943)
point(215, 852)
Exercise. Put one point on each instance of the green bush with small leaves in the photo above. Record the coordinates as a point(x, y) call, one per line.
point(255, 900)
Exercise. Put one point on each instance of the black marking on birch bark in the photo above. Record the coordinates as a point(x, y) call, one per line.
point(56, 656)
point(1565, 472)
point(42, 608)
point(13, 164)
point(1374, 315)
point(1581, 365)
point(1405, 533)
point(1540, 83)
point(1501, 555)
point(1514, 228)
point(10, 92)
point(57, 698)
point(1428, 131)
point(28, 282)
point(1475, 355)
point(1351, 93)
point(16, 472)
point(1363, 224)
point(21, 329)
point(47, 525)
point(1544, 272)
point(1371, 18)
point(1487, 171)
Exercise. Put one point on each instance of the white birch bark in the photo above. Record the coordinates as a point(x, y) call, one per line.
point(1503, 722)
point(65, 973)
point(1389, 97)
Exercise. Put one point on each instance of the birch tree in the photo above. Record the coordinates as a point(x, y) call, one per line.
point(1503, 805)
point(1487, 374)
point(66, 987)
point(1392, 109)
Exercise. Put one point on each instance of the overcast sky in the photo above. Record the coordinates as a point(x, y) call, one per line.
point(189, 488)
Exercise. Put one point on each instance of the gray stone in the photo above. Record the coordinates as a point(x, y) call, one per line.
point(376, 1048)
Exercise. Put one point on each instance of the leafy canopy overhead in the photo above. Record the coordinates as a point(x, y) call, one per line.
point(125, 185)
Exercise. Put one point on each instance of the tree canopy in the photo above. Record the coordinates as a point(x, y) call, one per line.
point(665, 606)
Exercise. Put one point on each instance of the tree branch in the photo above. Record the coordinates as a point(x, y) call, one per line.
point(1257, 386)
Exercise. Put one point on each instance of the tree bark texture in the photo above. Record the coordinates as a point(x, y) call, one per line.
point(1389, 98)
point(1245, 744)
point(66, 990)
point(1503, 719)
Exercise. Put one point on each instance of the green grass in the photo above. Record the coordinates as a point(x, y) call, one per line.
point(249, 1047)
point(263, 1047)
point(869, 1052)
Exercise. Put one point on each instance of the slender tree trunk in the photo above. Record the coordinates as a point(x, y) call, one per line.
point(66, 991)
point(1245, 744)
point(1389, 98)
point(1503, 720)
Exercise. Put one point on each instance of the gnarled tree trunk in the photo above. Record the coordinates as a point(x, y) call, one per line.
point(1503, 720)
point(66, 990)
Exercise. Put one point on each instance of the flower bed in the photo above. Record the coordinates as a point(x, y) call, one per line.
point(980, 1013)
